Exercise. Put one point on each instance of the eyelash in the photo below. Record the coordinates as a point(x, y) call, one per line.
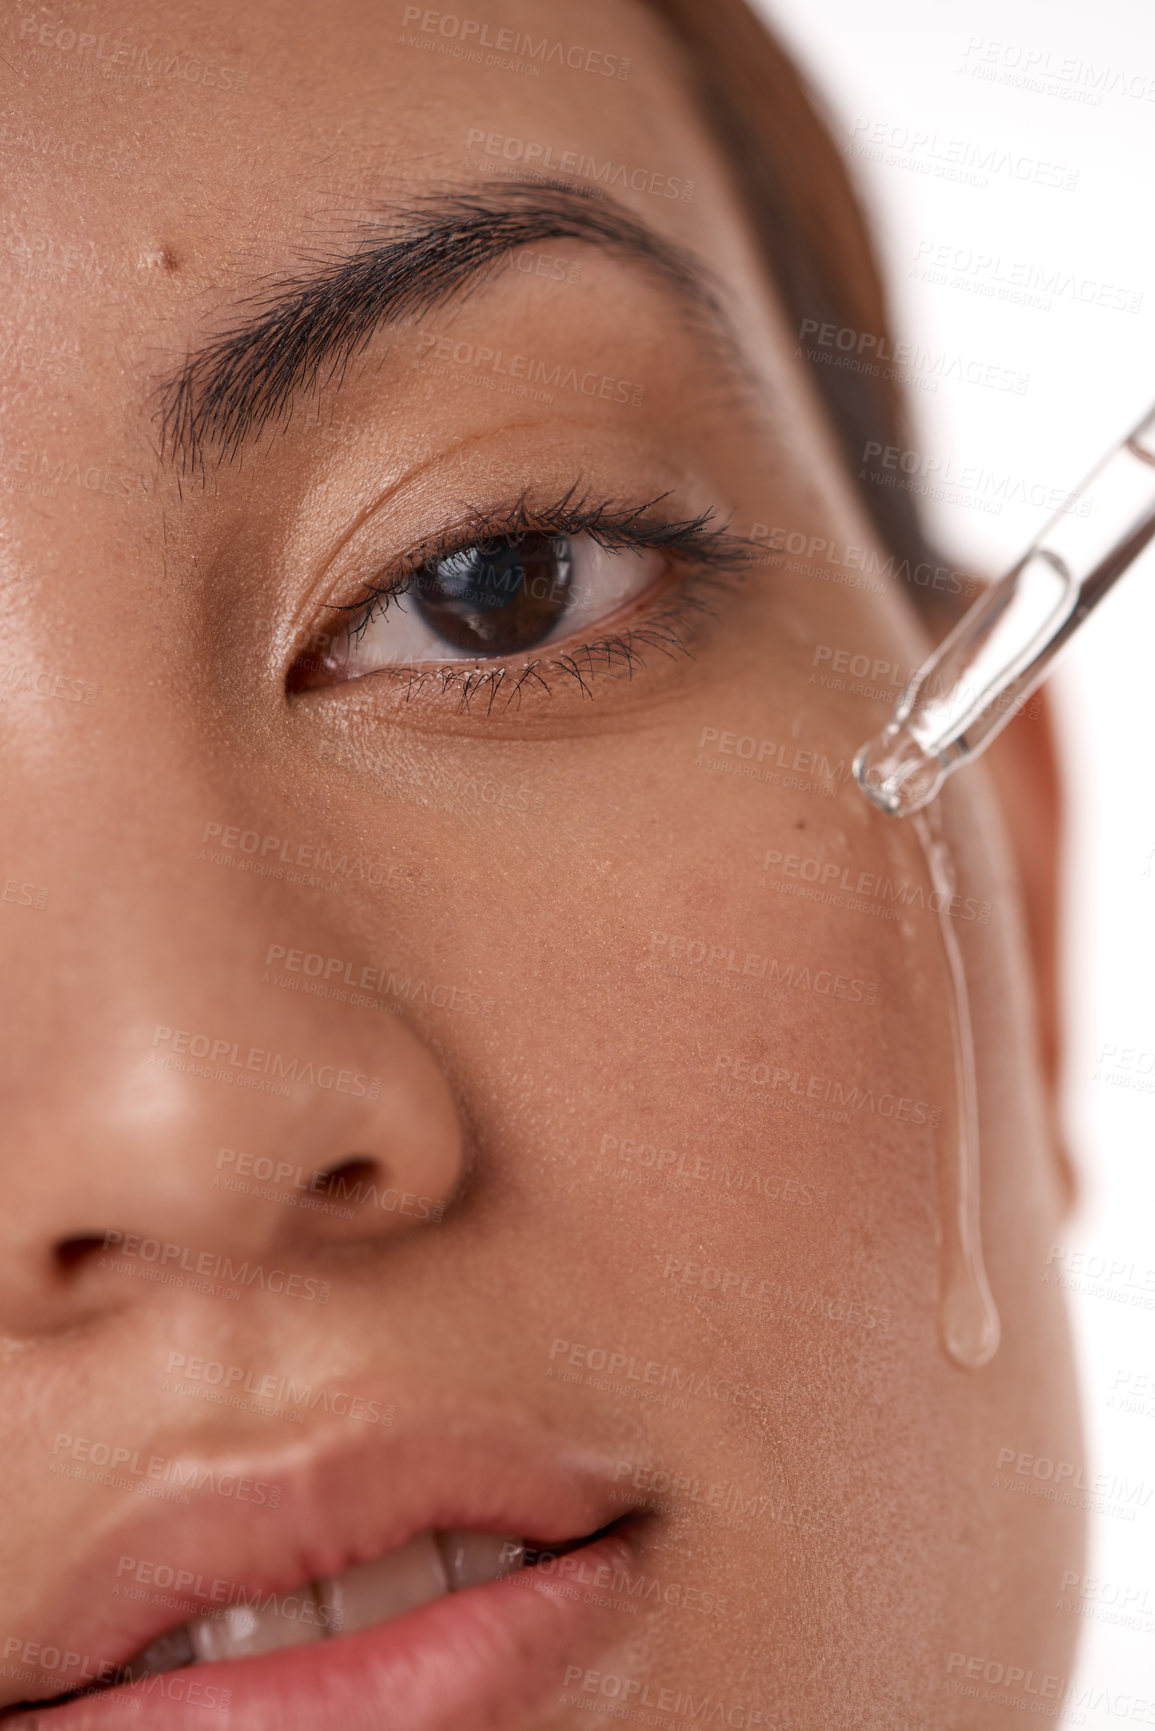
point(709, 557)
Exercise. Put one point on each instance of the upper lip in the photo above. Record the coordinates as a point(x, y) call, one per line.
point(342, 1502)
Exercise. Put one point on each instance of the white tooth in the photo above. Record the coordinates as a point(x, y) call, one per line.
point(244, 1629)
point(167, 1653)
point(371, 1592)
point(473, 1559)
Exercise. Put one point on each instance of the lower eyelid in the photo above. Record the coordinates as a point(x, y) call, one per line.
point(695, 557)
point(664, 632)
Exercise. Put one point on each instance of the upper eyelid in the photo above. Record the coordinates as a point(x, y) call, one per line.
point(610, 522)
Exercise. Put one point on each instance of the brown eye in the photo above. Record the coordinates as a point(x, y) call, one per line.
point(501, 599)
point(498, 597)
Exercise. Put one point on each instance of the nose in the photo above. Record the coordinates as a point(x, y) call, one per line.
point(175, 1111)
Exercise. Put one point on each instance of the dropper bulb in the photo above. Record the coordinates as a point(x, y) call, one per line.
point(896, 774)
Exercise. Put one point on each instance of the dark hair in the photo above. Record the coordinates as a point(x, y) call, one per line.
point(813, 237)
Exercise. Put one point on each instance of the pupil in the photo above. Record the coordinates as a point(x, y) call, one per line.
point(498, 597)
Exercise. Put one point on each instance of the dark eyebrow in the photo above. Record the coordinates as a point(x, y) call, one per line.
point(303, 331)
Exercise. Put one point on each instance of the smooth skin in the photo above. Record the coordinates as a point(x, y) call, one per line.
point(538, 860)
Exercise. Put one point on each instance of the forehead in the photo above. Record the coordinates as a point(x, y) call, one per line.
point(161, 166)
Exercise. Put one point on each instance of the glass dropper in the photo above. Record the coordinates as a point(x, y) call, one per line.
point(977, 678)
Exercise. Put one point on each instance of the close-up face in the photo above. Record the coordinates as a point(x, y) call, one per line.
point(524, 1191)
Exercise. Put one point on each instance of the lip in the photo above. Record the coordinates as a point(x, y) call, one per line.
point(344, 1502)
point(488, 1656)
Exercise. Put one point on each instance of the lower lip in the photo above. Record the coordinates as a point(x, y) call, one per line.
point(494, 1655)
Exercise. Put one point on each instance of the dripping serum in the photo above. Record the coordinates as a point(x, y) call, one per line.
point(951, 710)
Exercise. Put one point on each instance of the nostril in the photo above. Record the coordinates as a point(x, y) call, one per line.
point(70, 1253)
point(350, 1184)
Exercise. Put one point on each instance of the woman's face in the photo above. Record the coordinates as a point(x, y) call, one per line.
point(477, 1061)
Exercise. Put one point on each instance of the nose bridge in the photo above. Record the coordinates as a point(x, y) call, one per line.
point(161, 1067)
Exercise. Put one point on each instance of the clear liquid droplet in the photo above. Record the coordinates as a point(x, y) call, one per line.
point(895, 773)
point(968, 1317)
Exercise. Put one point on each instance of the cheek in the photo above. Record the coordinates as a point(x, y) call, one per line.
point(720, 1085)
point(726, 1032)
point(741, 1004)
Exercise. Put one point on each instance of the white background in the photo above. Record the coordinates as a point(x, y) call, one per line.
point(908, 67)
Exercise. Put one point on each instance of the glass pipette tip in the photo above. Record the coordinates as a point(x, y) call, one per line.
point(983, 672)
